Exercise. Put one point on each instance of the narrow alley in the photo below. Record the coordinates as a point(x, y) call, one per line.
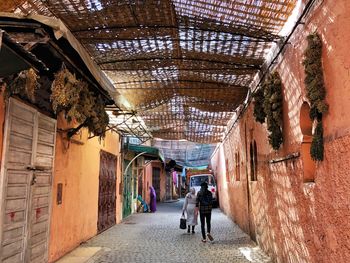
point(156, 237)
point(113, 109)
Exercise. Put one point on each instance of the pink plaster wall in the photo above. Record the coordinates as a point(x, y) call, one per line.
point(295, 221)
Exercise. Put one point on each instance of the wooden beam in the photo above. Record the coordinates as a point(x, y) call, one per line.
point(29, 39)
point(255, 34)
point(255, 62)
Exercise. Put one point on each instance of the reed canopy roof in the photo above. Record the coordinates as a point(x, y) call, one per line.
point(183, 65)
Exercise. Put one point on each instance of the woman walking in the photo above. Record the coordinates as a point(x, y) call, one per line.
point(153, 202)
point(189, 207)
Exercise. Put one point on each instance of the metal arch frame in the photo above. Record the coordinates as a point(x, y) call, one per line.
point(133, 159)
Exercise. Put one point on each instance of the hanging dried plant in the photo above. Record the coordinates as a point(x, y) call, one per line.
point(259, 112)
point(74, 98)
point(26, 83)
point(65, 91)
point(273, 109)
point(315, 91)
point(98, 120)
point(31, 84)
point(314, 81)
point(85, 105)
point(317, 143)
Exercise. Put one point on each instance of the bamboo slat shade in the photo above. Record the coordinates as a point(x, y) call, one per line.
point(184, 65)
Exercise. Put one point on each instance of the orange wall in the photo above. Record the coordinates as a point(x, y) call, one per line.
point(77, 168)
point(295, 221)
point(148, 179)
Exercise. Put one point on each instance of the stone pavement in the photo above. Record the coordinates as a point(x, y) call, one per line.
point(156, 237)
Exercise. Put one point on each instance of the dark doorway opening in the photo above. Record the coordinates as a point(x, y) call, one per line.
point(156, 181)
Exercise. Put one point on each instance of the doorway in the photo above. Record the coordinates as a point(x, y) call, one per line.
point(169, 186)
point(26, 184)
point(127, 191)
point(107, 191)
point(156, 181)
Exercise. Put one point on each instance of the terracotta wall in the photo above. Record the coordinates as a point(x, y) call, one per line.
point(77, 168)
point(292, 220)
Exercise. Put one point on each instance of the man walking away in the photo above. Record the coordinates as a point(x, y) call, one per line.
point(205, 203)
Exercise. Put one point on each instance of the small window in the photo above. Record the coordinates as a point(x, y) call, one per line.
point(59, 193)
point(252, 168)
point(255, 161)
point(238, 167)
point(227, 172)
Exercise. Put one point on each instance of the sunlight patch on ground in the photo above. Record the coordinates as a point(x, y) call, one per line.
point(250, 253)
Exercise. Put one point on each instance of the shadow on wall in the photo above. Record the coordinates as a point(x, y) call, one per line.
point(281, 213)
point(264, 230)
point(236, 199)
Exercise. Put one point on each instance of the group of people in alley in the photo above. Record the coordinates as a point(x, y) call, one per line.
point(201, 203)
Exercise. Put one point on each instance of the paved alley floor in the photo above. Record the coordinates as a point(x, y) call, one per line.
point(156, 237)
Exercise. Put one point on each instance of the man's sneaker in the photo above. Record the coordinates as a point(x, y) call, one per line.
point(210, 237)
point(204, 240)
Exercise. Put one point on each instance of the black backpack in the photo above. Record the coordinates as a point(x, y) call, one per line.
point(206, 198)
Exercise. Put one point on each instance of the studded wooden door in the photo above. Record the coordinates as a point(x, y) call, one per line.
point(25, 184)
point(107, 191)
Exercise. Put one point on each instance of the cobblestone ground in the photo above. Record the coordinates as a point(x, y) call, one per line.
point(156, 237)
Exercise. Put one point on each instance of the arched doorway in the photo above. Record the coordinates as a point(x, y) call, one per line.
point(306, 129)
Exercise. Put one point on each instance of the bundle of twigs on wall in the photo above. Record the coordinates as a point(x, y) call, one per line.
point(24, 84)
point(315, 91)
point(73, 97)
point(268, 105)
point(259, 112)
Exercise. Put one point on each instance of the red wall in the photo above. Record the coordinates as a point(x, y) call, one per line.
point(294, 221)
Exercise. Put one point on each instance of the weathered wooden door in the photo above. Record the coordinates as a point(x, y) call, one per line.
point(25, 186)
point(127, 191)
point(107, 194)
point(156, 181)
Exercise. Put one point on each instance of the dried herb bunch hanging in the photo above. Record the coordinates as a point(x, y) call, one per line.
point(78, 103)
point(259, 112)
point(25, 83)
point(273, 109)
point(98, 121)
point(65, 93)
point(314, 82)
point(315, 91)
